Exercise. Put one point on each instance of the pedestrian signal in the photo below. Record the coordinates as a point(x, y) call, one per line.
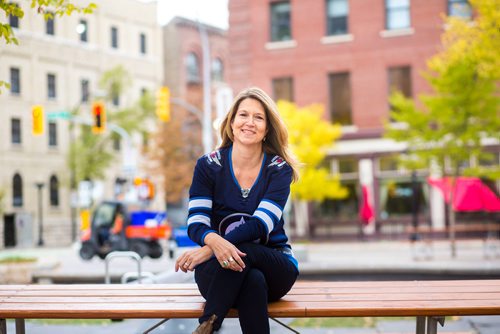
point(163, 104)
point(99, 117)
point(38, 120)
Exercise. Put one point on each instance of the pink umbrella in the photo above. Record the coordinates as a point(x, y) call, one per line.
point(366, 212)
point(470, 194)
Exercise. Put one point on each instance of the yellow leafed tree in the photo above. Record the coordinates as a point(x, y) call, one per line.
point(309, 137)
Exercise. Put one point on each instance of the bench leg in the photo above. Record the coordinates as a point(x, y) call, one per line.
point(149, 330)
point(432, 324)
point(20, 328)
point(288, 327)
point(420, 329)
point(3, 326)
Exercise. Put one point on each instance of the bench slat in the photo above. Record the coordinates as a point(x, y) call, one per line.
point(313, 299)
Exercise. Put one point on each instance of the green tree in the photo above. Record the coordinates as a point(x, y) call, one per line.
point(310, 136)
point(47, 8)
point(91, 154)
point(463, 111)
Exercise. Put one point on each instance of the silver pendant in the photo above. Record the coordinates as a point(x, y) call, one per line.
point(245, 192)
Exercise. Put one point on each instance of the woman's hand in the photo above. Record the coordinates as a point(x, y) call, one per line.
point(226, 253)
point(190, 259)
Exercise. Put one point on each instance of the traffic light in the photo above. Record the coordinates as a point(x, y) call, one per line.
point(38, 119)
point(163, 104)
point(99, 117)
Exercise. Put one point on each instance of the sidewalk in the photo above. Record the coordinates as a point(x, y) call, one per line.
point(329, 261)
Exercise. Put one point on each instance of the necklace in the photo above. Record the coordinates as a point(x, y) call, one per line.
point(245, 192)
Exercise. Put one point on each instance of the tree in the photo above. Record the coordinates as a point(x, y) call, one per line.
point(463, 111)
point(47, 8)
point(90, 155)
point(176, 148)
point(309, 137)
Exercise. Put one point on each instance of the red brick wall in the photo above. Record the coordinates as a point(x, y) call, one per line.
point(367, 57)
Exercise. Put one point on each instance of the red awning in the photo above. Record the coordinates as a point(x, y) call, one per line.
point(470, 194)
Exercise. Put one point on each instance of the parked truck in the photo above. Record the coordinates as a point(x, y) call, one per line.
point(116, 226)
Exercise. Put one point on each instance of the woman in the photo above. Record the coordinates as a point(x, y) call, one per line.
point(236, 203)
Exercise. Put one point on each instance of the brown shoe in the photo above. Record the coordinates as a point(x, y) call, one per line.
point(206, 327)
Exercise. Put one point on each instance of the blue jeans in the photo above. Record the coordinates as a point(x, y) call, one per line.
point(268, 276)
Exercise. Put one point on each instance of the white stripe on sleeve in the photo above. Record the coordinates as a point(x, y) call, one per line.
point(199, 219)
point(271, 207)
point(200, 203)
point(265, 217)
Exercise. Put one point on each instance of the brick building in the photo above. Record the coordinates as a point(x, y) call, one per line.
point(347, 56)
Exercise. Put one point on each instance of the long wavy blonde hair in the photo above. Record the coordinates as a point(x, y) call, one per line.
point(276, 140)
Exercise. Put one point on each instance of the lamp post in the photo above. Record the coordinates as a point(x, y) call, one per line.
point(40, 186)
point(207, 91)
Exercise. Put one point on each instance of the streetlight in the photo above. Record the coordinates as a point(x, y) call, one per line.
point(40, 185)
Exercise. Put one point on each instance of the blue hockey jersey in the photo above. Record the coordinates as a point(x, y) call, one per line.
point(218, 204)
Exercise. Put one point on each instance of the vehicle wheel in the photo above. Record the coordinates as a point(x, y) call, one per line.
point(87, 251)
point(155, 250)
point(140, 248)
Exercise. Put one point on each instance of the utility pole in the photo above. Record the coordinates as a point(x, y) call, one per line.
point(207, 92)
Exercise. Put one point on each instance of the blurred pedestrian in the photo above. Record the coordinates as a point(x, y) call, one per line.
point(236, 203)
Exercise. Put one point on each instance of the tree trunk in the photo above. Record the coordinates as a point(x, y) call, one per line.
point(301, 218)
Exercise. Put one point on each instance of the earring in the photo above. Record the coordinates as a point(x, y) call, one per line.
point(264, 139)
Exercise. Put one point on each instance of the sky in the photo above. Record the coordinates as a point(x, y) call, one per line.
point(213, 12)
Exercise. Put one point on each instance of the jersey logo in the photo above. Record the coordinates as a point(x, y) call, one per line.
point(233, 221)
point(277, 161)
point(214, 157)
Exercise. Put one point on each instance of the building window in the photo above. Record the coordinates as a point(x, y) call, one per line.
point(142, 43)
point(399, 197)
point(400, 80)
point(15, 130)
point(337, 13)
point(82, 30)
point(397, 14)
point(52, 134)
point(15, 81)
point(345, 209)
point(50, 25)
point(460, 8)
point(340, 98)
point(217, 70)
point(84, 90)
point(280, 21)
point(114, 37)
point(14, 20)
point(17, 191)
point(51, 86)
point(192, 68)
point(283, 89)
point(54, 191)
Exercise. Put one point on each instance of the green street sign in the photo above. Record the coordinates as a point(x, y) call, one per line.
point(59, 114)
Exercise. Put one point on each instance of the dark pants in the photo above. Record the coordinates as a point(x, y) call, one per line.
point(268, 276)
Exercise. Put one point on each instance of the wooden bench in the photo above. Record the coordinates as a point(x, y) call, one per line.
point(428, 301)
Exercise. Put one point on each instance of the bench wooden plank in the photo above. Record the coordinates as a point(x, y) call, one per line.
point(312, 299)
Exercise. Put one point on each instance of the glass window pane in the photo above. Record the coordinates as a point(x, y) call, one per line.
point(17, 191)
point(280, 21)
point(15, 131)
point(338, 8)
point(340, 98)
point(283, 89)
point(15, 81)
point(52, 134)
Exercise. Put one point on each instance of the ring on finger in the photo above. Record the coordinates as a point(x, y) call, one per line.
point(225, 263)
point(231, 259)
point(186, 264)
